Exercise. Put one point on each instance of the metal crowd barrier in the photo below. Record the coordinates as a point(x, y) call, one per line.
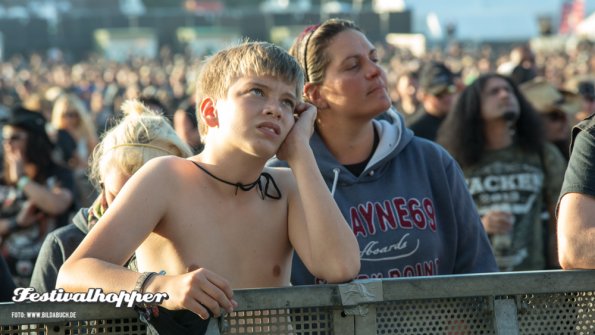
point(541, 302)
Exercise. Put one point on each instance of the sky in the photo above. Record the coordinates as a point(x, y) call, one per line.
point(489, 19)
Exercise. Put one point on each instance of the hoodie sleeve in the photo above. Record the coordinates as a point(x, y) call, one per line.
point(474, 252)
point(50, 259)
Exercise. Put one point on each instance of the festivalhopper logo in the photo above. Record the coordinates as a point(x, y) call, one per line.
point(123, 298)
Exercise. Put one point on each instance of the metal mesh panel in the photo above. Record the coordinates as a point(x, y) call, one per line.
point(559, 313)
point(453, 316)
point(116, 326)
point(303, 321)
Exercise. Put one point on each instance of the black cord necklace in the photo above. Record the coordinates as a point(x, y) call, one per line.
point(247, 187)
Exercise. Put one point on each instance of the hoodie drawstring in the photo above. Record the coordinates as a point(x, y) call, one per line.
point(335, 180)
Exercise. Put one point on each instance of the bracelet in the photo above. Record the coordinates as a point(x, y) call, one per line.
point(143, 279)
point(23, 181)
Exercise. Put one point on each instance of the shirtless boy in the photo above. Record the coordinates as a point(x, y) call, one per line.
point(204, 220)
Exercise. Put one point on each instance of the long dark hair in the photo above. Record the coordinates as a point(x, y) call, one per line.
point(462, 132)
point(38, 151)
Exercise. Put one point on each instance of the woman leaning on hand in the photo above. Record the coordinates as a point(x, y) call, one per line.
point(404, 197)
point(36, 192)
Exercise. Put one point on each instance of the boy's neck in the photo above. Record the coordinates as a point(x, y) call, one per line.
point(235, 168)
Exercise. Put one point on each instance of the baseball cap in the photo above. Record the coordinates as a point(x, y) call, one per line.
point(436, 78)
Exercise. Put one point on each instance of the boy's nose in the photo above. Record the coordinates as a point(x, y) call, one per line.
point(273, 109)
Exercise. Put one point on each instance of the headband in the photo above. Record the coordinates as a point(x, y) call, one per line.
point(310, 30)
point(143, 145)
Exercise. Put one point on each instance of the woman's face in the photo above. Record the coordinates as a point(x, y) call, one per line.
point(354, 84)
point(113, 181)
point(14, 140)
point(71, 119)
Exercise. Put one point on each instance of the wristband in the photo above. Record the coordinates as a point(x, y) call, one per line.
point(143, 279)
point(12, 225)
point(23, 181)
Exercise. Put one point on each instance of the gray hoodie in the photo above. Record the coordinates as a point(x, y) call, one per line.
point(56, 248)
point(410, 209)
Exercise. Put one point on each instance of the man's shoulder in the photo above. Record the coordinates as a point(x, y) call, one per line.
point(587, 125)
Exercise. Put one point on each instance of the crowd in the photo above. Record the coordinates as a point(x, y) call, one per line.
point(449, 163)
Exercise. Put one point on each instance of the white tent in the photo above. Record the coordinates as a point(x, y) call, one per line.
point(587, 27)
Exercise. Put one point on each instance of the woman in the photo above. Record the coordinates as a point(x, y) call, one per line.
point(69, 115)
point(36, 192)
point(140, 136)
point(404, 197)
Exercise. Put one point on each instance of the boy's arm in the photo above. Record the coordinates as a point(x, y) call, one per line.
point(141, 204)
point(317, 229)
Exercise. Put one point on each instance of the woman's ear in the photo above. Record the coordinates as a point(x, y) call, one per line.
point(208, 112)
point(312, 94)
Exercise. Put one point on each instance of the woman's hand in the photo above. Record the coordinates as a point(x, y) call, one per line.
point(16, 164)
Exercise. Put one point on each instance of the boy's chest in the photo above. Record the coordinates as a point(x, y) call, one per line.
point(214, 234)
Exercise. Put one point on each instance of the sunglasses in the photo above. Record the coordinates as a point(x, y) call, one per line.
point(73, 115)
point(451, 89)
point(556, 116)
point(13, 138)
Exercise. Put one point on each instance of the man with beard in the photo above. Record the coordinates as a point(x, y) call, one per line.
point(513, 174)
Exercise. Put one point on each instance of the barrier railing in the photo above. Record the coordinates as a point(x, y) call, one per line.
point(544, 302)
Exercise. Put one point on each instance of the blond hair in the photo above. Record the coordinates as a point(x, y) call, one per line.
point(247, 58)
point(69, 102)
point(142, 134)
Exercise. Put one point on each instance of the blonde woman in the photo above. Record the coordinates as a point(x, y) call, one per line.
point(71, 119)
point(140, 136)
point(70, 114)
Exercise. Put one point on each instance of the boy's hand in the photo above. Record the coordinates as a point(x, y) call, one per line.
point(298, 137)
point(199, 291)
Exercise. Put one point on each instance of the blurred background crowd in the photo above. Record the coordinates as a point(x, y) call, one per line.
point(74, 62)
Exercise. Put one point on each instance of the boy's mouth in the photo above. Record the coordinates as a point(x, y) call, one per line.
point(270, 128)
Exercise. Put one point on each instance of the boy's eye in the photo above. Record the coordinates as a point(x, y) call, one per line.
point(289, 103)
point(257, 91)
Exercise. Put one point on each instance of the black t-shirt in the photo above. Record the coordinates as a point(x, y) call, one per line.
point(426, 125)
point(580, 174)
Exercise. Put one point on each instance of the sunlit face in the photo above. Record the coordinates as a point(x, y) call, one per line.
point(498, 98)
point(113, 181)
point(354, 84)
point(256, 115)
point(14, 139)
point(406, 88)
